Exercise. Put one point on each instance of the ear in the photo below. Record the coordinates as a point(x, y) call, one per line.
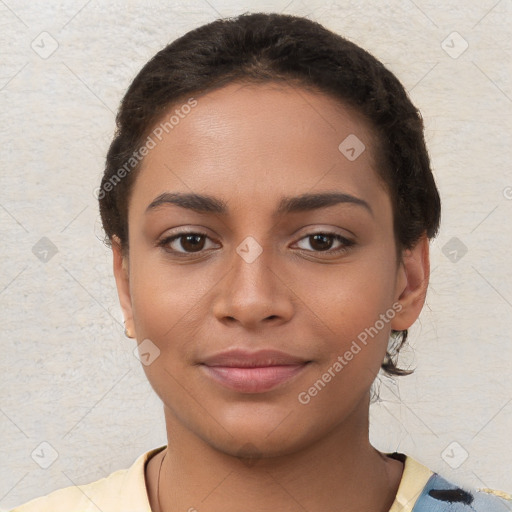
point(122, 276)
point(412, 283)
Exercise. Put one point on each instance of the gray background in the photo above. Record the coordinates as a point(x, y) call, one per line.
point(69, 376)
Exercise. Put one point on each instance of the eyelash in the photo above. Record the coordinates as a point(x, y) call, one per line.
point(346, 243)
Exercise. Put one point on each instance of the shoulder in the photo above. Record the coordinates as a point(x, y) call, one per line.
point(441, 495)
point(77, 497)
point(124, 490)
point(423, 490)
point(68, 498)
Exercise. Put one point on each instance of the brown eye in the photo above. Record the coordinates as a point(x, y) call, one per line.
point(192, 243)
point(185, 243)
point(323, 242)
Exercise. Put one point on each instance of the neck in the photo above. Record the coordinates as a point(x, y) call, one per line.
point(342, 470)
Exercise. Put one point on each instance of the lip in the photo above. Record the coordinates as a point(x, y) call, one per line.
point(252, 372)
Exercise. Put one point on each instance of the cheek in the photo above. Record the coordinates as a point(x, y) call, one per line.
point(165, 297)
point(348, 298)
point(358, 320)
point(355, 306)
point(166, 300)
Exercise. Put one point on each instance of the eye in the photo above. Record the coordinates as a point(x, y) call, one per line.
point(185, 242)
point(191, 242)
point(323, 242)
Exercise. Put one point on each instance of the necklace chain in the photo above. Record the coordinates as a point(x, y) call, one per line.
point(158, 483)
point(386, 470)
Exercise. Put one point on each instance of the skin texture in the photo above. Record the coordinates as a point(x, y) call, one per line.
point(250, 145)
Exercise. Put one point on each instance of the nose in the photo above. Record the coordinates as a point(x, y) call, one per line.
point(254, 293)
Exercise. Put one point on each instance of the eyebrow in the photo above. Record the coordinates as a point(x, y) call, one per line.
point(304, 202)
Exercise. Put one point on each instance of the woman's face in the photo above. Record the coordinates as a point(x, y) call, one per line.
point(254, 277)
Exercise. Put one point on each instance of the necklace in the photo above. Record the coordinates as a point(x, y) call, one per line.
point(158, 483)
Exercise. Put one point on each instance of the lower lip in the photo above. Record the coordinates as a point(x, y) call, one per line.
point(253, 380)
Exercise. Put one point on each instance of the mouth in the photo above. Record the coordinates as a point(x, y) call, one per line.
point(254, 372)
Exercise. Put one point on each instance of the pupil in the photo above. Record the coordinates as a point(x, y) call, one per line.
point(194, 240)
point(323, 247)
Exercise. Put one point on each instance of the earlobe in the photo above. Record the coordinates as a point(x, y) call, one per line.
point(121, 274)
point(412, 283)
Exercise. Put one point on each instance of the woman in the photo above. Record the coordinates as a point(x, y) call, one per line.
point(269, 202)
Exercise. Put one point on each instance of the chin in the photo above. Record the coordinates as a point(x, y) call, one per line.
point(251, 449)
point(259, 437)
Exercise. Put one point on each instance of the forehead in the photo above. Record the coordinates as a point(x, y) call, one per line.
point(259, 142)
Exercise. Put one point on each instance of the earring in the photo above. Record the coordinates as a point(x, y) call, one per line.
point(127, 333)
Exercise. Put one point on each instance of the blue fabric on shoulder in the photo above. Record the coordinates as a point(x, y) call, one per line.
point(439, 495)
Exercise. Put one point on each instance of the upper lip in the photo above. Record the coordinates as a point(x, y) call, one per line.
point(239, 358)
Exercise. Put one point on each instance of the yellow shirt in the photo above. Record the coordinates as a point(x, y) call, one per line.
point(125, 491)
